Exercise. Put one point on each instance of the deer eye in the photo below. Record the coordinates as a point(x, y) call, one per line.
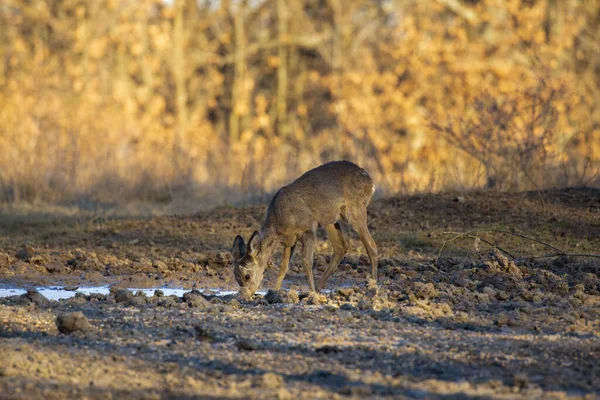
point(247, 277)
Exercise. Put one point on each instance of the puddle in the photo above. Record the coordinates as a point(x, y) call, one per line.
point(59, 293)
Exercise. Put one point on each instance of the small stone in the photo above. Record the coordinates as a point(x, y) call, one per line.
point(206, 331)
point(461, 282)
point(502, 320)
point(25, 253)
point(168, 302)
point(347, 306)
point(159, 293)
point(330, 308)
point(521, 380)
point(247, 345)
point(491, 292)
point(345, 292)
point(72, 322)
point(234, 303)
point(123, 296)
point(54, 267)
point(345, 317)
point(502, 295)
point(138, 301)
point(364, 305)
point(315, 299)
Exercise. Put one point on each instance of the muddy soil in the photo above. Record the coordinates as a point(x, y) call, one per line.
point(471, 301)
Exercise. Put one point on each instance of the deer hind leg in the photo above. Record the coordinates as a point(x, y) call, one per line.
point(340, 249)
point(283, 268)
point(308, 240)
point(358, 219)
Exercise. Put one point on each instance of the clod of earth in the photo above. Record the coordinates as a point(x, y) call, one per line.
point(282, 296)
point(123, 296)
point(35, 297)
point(247, 344)
point(72, 322)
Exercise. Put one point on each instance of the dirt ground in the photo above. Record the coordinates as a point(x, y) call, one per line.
point(479, 295)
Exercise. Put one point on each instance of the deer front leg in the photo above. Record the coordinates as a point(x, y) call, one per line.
point(308, 246)
point(283, 269)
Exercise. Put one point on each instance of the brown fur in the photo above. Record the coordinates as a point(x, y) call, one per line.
point(322, 196)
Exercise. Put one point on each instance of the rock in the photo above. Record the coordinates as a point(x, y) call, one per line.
point(138, 301)
point(195, 299)
point(271, 380)
point(25, 253)
point(35, 297)
point(345, 317)
point(502, 295)
point(347, 306)
point(97, 296)
point(424, 290)
point(94, 276)
point(364, 305)
point(55, 268)
point(168, 302)
point(123, 296)
point(282, 297)
point(198, 302)
point(520, 380)
point(233, 302)
point(359, 391)
point(315, 298)
point(159, 293)
point(491, 292)
point(461, 281)
point(206, 331)
point(502, 320)
point(345, 292)
point(247, 345)
point(72, 322)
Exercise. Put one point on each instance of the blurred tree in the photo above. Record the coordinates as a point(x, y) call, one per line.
point(112, 98)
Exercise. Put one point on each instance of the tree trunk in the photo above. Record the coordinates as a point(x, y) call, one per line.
point(282, 69)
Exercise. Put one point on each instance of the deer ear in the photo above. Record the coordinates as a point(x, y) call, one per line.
point(254, 243)
point(239, 248)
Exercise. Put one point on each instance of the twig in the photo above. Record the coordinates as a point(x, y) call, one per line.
point(560, 255)
point(523, 237)
point(470, 235)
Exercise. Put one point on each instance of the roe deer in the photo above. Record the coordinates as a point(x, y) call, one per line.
point(322, 196)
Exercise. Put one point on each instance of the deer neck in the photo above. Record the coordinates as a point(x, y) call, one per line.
point(268, 246)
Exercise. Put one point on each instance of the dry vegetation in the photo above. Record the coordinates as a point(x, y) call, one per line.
point(114, 100)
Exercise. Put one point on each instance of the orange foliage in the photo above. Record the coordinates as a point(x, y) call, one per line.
point(112, 99)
